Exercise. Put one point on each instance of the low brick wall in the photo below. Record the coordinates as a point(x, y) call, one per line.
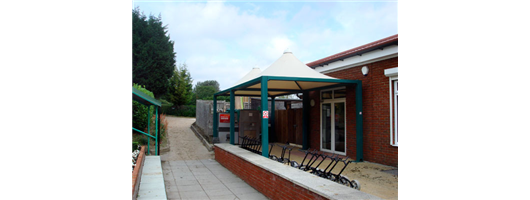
point(278, 181)
point(136, 174)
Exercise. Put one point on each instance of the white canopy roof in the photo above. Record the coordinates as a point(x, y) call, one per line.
point(251, 75)
point(289, 66)
point(287, 75)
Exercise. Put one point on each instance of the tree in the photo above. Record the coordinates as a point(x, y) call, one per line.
point(180, 88)
point(205, 90)
point(153, 53)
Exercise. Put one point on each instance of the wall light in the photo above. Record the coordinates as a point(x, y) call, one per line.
point(364, 70)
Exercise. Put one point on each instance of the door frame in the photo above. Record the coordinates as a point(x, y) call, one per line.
point(332, 102)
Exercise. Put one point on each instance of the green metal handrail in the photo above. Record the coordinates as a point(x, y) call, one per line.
point(149, 129)
point(148, 101)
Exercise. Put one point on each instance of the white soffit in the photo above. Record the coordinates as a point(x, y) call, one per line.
point(368, 57)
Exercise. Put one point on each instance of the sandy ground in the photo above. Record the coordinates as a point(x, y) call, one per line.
point(183, 144)
point(369, 175)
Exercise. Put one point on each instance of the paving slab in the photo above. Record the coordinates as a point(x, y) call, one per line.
point(204, 179)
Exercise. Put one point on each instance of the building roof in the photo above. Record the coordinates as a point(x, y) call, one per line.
point(392, 40)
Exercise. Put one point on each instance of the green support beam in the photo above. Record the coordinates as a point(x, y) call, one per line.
point(156, 133)
point(305, 120)
point(359, 120)
point(215, 121)
point(264, 121)
point(232, 116)
point(148, 128)
point(272, 115)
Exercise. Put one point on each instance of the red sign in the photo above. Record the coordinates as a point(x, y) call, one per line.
point(224, 118)
point(265, 114)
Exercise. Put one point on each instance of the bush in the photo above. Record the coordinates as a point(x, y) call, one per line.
point(140, 110)
point(135, 146)
point(187, 111)
point(184, 111)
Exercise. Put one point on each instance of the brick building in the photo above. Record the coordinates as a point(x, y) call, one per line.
point(376, 65)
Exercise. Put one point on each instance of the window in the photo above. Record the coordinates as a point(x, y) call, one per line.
point(339, 93)
point(395, 112)
point(327, 94)
point(392, 75)
point(336, 93)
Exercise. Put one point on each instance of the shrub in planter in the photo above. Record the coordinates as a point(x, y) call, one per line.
point(134, 145)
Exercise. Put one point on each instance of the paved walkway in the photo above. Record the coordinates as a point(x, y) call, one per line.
point(152, 181)
point(190, 172)
point(204, 179)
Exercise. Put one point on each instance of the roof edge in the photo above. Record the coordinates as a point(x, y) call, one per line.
point(354, 51)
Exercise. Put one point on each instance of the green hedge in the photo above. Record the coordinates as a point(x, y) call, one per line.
point(184, 111)
point(140, 111)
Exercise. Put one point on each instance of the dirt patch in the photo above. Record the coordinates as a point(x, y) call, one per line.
point(373, 180)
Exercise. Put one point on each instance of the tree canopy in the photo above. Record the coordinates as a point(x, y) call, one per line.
point(153, 53)
point(180, 88)
point(205, 90)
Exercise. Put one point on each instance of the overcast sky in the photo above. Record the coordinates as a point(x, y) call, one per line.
point(223, 41)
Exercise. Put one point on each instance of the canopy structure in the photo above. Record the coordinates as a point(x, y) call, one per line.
point(285, 76)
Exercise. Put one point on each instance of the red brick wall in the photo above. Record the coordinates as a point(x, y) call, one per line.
point(376, 113)
point(269, 184)
point(136, 174)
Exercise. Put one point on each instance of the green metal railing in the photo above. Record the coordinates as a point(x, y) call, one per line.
point(148, 101)
point(148, 130)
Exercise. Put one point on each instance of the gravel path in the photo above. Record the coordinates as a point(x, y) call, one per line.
point(184, 145)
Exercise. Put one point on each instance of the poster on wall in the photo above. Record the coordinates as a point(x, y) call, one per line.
point(224, 118)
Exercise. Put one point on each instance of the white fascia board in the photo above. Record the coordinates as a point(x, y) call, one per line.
point(366, 58)
point(391, 72)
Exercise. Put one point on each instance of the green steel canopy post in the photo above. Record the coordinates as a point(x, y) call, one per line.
point(232, 116)
point(215, 121)
point(305, 120)
point(148, 129)
point(156, 129)
point(272, 115)
point(264, 119)
point(359, 120)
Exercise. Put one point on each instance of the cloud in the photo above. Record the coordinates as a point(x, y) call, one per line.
point(220, 42)
point(224, 41)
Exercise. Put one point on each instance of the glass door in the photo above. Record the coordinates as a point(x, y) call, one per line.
point(333, 127)
point(340, 128)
